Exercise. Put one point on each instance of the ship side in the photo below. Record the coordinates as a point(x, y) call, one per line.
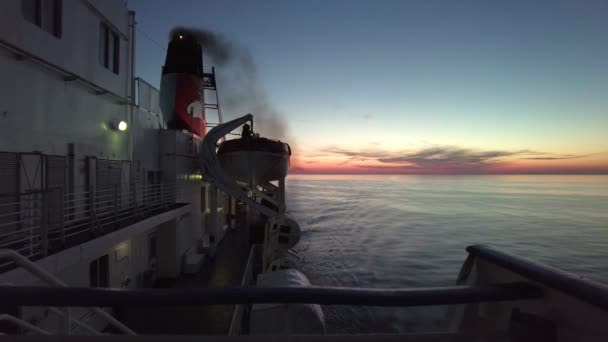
point(93, 189)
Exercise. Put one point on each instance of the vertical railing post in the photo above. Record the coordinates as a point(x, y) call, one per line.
point(65, 322)
point(212, 224)
point(44, 229)
point(61, 217)
point(116, 205)
point(92, 206)
point(132, 197)
point(160, 187)
point(282, 196)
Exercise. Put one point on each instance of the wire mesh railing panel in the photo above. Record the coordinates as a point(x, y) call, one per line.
point(148, 97)
point(39, 223)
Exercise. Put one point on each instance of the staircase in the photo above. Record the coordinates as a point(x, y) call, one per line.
point(67, 324)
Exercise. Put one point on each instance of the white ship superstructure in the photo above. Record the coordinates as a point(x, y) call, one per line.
point(93, 188)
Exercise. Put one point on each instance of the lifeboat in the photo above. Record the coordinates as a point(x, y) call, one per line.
point(254, 159)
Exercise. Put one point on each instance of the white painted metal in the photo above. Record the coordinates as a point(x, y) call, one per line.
point(574, 319)
point(281, 233)
point(277, 318)
point(59, 94)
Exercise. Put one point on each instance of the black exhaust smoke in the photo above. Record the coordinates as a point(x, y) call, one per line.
point(237, 79)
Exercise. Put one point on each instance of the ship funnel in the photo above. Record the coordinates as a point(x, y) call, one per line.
point(181, 85)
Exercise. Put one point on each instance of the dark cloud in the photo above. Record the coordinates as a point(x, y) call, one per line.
point(218, 48)
point(237, 79)
point(389, 167)
point(568, 156)
point(451, 157)
point(370, 154)
point(442, 158)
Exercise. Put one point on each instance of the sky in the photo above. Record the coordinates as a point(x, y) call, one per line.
point(423, 87)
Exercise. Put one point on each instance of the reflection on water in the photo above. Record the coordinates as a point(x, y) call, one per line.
point(411, 231)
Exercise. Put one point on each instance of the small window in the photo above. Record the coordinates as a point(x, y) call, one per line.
point(116, 54)
point(103, 43)
point(45, 14)
point(109, 48)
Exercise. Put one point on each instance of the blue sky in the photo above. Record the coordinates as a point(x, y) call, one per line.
point(404, 75)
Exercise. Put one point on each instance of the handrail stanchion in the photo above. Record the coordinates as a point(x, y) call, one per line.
point(44, 230)
point(116, 206)
point(64, 322)
point(92, 195)
point(161, 194)
point(61, 217)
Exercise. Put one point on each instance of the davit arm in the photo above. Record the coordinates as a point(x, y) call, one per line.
point(213, 172)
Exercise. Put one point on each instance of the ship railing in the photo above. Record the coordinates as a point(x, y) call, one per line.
point(524, 280)
point(242, 311)
point(154, 298)
point(37, 224)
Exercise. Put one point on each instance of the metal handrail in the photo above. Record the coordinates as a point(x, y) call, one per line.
point(584, 289)
point(400, 297)
point(50, 279)
point(35, 220)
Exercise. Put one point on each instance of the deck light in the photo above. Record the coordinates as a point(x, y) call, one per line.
point(122, 126)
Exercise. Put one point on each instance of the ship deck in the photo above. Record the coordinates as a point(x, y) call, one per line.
point(225, 270)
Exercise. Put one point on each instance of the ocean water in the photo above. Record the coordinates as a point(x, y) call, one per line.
point(411, 231)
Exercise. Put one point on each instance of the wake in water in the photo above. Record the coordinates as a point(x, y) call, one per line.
point(411, 231)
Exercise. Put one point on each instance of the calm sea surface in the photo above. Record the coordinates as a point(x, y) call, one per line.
point(411, 231)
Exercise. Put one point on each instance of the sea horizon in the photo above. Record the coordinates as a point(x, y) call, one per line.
point(412, 230)
point(451, 174)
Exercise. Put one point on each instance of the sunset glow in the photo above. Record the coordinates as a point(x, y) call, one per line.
point(423, 87)
point(449, 161)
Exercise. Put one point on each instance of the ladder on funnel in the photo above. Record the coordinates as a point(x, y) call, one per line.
point(210, 88)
